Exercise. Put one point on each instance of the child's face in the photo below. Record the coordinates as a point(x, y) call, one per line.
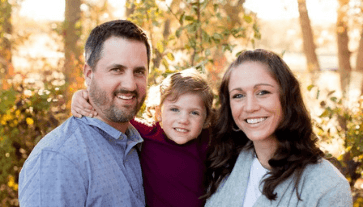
point(183, 119)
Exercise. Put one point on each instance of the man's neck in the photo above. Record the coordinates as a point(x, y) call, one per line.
point(122, 127)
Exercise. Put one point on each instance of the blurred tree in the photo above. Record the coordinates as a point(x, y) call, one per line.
point(194, 31)
point(359, 61)
point(6, 69)
point(27, 113)
point(342, 41)
point(308, 40)
point(72, 31)
point(130, 8)
point(346, 124)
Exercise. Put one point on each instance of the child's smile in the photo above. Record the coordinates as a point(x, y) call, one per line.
point(183, 119)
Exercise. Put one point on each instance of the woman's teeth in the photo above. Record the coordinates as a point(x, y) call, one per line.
point(255, 121)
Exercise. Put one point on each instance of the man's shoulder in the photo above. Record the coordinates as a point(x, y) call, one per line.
point(59, 139)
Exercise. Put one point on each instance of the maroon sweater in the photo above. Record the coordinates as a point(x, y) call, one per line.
point(173, 174)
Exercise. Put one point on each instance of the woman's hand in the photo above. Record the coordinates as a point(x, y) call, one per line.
point(80, 105)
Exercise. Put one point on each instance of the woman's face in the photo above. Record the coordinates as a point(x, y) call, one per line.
point(254, 100)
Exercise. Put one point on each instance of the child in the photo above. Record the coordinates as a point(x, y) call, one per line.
point(174, 149)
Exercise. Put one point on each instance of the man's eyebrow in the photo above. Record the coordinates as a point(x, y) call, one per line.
point(140, 68)
point(116, 65)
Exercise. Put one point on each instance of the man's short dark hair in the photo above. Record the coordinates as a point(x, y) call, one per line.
point(116, 28)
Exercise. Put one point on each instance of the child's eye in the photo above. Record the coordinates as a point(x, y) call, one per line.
point(174, 109)
point(263, 92)
point(195, 113)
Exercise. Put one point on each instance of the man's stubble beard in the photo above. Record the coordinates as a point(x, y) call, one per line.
point(113, 113)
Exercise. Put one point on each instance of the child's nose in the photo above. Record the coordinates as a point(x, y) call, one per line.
point(183, 119)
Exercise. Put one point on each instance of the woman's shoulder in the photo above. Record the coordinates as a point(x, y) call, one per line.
point(324, 173)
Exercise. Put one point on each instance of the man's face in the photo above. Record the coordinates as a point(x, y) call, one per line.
point(117, 87)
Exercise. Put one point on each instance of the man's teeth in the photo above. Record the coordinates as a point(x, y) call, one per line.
point(181, 130)
point(125, 97)
point(255, 121)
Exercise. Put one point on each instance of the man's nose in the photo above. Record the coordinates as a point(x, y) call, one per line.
point(128, 81)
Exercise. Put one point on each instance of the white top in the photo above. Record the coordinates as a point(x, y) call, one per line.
point(254, 189)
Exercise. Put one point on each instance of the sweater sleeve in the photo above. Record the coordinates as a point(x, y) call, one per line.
point(338, 196)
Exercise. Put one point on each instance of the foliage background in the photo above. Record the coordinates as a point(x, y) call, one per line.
point(205, 34)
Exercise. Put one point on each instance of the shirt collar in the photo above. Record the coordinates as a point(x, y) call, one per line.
point(132, 135)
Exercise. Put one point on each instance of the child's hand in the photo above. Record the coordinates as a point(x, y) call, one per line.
point(80, 105)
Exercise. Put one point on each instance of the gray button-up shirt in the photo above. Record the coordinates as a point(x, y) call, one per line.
point(83, 162)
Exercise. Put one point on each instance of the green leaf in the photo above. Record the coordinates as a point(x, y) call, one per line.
point(317, 94)
point(207, 52)
point(325, 113)
point(310, 87)
point(189, 18)
point(247, 18)
point(334, 99)
point(181, 19)
point(331, 92)
point(178, 32)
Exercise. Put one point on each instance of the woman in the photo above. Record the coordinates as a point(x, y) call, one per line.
point(263, 150)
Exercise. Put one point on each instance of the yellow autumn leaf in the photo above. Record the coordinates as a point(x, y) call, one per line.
point(29, 121)
point(160, 47)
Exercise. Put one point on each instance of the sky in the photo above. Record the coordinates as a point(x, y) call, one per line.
point(319, 10)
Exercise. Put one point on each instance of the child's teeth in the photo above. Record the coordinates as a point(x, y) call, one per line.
point(180, 130)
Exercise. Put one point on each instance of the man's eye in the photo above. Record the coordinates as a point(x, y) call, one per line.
point(116, 70)
point(140, 72)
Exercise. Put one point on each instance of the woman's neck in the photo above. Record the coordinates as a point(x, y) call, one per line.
point(265, 150)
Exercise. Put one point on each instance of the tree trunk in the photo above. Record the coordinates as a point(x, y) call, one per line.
point(72, 49)
point(130, 8)
point(343, 50)
point(308, 40)
point(6, 69)
point(359, 62)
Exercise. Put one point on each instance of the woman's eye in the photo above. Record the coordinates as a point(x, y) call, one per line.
point(235, 96)
point(263, 92)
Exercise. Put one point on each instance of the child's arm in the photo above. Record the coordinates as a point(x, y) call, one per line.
point(80, 105)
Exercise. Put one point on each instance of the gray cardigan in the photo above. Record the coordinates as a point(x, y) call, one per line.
point(320, 185)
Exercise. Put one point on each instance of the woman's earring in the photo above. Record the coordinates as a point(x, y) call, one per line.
point(235, 129)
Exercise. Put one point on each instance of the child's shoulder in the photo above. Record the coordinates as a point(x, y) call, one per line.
point(143, 127)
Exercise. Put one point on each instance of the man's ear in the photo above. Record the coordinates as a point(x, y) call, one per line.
point(88, 74)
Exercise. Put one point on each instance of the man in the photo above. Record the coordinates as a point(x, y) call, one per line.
point(94, 161)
